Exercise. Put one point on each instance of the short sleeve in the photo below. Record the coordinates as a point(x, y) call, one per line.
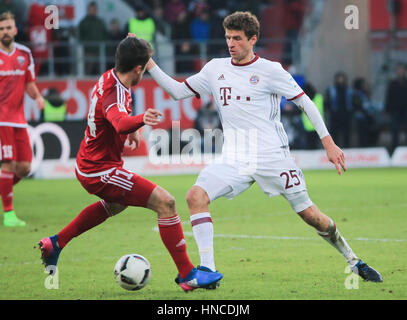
point(30, 72)
point(110, 103)
point(283, 84)
point(199, 83)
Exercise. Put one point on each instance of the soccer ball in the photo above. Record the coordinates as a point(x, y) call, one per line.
point(132, 272)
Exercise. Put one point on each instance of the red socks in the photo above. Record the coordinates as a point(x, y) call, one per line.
point(170, 231)
point(89, 218)
point(173, 238)
point(6, 189)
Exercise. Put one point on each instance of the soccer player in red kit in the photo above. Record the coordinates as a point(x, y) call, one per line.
point(99, 167)
point(16, 77)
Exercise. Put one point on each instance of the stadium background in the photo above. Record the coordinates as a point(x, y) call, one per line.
point(264, 250)
point(308, 37)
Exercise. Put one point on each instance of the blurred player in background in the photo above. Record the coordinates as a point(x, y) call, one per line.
point(99, 166)
point(247, 90)
point(16, 77)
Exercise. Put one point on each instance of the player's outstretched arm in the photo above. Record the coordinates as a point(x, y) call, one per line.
point(177, 90)
point(125, 124)
point(334, 154)
point(34, 93)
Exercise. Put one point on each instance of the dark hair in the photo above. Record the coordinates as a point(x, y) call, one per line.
point(243, 20)
point(6, 16)
point(132, 52)
point(309, 90)
point(358, 83)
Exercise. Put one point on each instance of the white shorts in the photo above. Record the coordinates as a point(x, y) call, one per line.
point(280, 177)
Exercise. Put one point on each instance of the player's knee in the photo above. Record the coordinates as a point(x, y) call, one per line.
point(166, 205)
point(197, 197)
point(307, 214)
point(22, 170)
point(169, 202)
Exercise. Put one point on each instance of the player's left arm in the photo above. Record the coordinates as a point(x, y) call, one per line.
point(34, 93)
point(333, 152)
point(284, 84)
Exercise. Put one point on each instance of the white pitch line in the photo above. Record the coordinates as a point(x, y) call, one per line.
point(246, 236)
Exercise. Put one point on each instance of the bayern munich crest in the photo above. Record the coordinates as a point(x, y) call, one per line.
point(254, 79)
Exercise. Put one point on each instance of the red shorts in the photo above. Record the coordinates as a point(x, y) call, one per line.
point(15, 144)
point(118, 186)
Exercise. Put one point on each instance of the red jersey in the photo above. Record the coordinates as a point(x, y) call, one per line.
point(16, 69)
point(101, 149)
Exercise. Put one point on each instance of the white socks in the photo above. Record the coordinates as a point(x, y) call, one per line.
point(202, 228)
point(334, 238)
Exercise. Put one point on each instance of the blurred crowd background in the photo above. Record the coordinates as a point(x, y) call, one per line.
point(357, 78)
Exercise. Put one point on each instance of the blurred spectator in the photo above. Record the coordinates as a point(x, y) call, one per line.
point(142, 25)
point(174, 11)
point(197, 7)
point(185, 52)
point(338, 105)
point(39, 36)
point(208, 119)
point(10, 5)
point(55, 107)
point(92, 29)
point(293, 17)
point(200, 27)
point(363, 113)
point(115, 35)
point(292, 122)
point(312, 140)
point(216, 32)
point(396, 103)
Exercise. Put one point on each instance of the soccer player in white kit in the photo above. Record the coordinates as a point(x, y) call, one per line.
point(247, 90)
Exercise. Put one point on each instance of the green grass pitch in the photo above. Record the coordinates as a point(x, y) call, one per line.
point(264, 250)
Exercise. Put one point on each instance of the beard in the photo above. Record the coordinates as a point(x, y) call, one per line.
point(6, 41)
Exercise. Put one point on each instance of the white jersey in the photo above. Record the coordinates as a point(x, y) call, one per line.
point(248, 99)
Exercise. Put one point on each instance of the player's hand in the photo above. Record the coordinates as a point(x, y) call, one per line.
point(334, 154)
point(152, 117)
point(130, 34)
point(134, 140)
point(40, 102)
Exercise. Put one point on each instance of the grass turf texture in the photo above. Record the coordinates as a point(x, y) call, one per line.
point(250, 248)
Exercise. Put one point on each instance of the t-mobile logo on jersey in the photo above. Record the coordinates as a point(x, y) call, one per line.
point(225, 95)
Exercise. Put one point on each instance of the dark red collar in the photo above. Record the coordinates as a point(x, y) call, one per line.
point(256, 57)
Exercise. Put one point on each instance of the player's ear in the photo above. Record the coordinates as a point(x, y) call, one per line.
point(253, 40)
point(138, 69)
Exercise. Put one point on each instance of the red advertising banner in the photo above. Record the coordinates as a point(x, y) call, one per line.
point(147, 94)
